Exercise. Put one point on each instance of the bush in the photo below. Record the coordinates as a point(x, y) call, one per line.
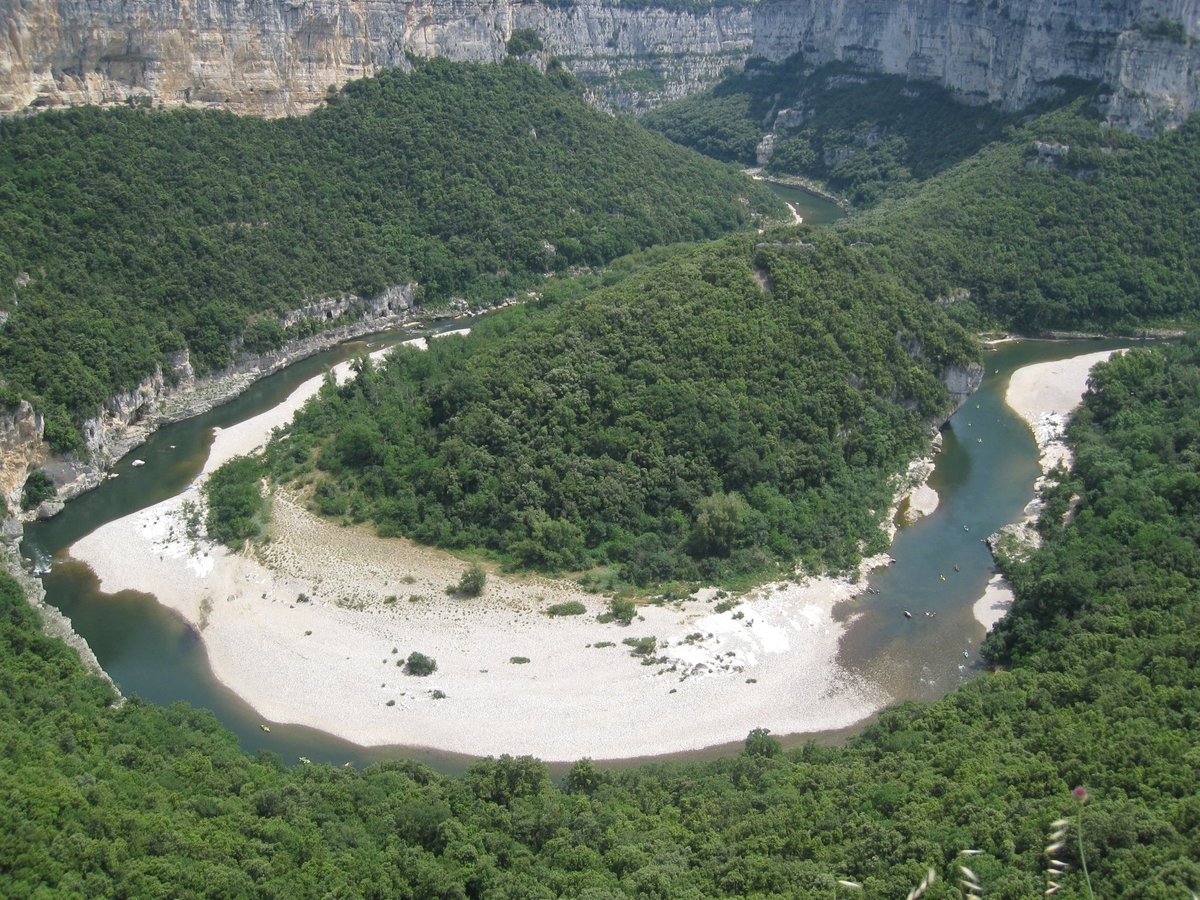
point(570, 608)
point(38, 487)
point(472, 582)
point(620, 610)
point(237, 509)
point(420, 664)
point(523, 40)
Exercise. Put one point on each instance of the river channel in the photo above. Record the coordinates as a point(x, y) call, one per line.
point(984, 475)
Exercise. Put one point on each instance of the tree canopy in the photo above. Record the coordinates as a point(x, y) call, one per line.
point(126, 234)
point(1097, 688)
point(744, 404)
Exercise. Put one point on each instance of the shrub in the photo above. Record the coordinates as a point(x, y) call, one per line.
point(620, 610)
point(38, 487)
point(523, 40)
point(420, 664)
point(570, 608)
point(472, 582)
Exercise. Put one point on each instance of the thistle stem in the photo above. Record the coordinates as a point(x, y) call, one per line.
point(1087, 880)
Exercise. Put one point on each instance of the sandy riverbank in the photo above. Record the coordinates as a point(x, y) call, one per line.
point(1044, 395)
point(330, 660)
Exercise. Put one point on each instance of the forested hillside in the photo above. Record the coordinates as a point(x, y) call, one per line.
point(1048, 221)
point(125, 234)
point(864, 134)
point(742, 405)
point(1065, 224)
point(1099, 690)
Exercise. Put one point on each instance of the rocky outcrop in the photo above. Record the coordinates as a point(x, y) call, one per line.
point(54, 623)
point(21, 449)
point(174, 393)
point(1011, 53)
point(962, 382)
point(277, 57)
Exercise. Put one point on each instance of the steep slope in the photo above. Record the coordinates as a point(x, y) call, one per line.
point(273, 57)
point(127, 235)
point(1065, 224)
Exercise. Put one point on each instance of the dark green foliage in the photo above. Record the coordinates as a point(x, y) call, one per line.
point(1170, 29)
point(569, 608)
point(735, 407)
point(147, 232)
point(472, 582)
point(864, 134)
point(620, 609)
point(237, 509)
point(38, 488)
point(419, 664)
point(1100, 689)
point(1103, 236)
point(522, 41)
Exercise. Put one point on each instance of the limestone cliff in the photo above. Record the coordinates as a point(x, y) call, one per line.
point(276, 57)
point(1146, 51)
point(173, 393)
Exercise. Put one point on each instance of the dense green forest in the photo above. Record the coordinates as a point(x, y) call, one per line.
point(863, 134)
point(1096, 229)
point(741, 405)
point(128, 233)
point(1097, 688)
point(1093, 229)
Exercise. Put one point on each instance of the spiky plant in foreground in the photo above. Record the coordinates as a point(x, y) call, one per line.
point(1055, 867)
point(971, 888)
point(926, 884)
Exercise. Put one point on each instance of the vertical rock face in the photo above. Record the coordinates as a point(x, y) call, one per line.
point(1010, 52)
point(277, 57)
point(21, 448)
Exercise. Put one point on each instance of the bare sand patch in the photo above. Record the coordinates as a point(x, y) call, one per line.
point(1044, 395)
point(310, 628)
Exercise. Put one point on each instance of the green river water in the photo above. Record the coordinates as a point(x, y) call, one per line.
point(984, 475)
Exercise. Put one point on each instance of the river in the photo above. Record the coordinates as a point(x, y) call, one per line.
point(812, 209)
point(984, 475)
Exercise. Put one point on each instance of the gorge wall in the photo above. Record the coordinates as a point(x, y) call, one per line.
point(1147, 52)
point(278, 57)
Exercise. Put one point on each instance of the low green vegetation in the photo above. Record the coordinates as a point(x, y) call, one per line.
point(569, 608)
point(419, 664)
point(1097, 688)
point(237, 508)
point(864, 134)
point(472, 582)
point(522, 41)
point(742, 405)
point(38, 489)
point(469, 180)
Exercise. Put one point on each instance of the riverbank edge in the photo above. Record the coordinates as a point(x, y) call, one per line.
point(1049, 430)
point(195, 399)
point(758, 603)
point(805, 184)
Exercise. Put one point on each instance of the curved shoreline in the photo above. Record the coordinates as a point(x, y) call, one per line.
point(1044, 395)
point(331, 661)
